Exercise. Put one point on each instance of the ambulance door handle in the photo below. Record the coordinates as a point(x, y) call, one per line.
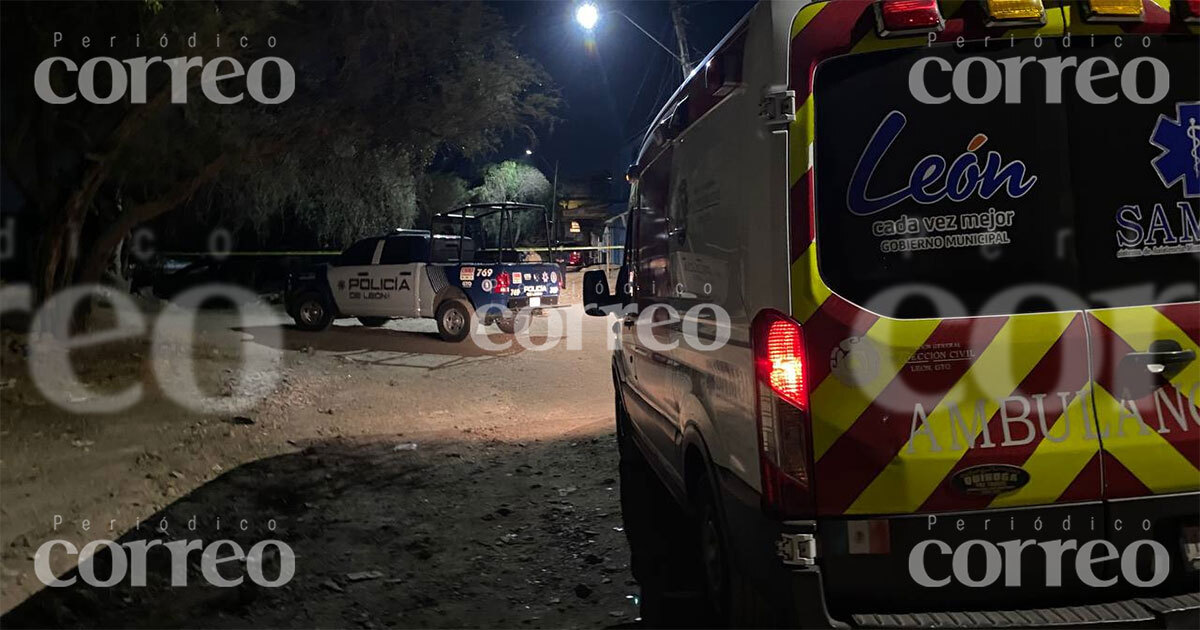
point(364, 273)
point(1158, 361)
point(1164, 357)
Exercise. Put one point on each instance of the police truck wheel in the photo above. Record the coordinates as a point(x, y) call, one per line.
point(313, 313)
point(373, 322)
point(453, 320)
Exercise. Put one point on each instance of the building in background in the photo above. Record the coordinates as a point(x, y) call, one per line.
point(614, 239)
point(584, 208)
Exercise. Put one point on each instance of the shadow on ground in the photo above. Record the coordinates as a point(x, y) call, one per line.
point(357, 338)
point(385, 534)
point(383, 345)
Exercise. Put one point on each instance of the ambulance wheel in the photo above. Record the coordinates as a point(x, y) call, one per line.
point(453, 320)
point(313, 312)
point(512, 325)
point(373, 322)
point(663, 561)
point(626, 449)
point(713, 558)
point(730, 600)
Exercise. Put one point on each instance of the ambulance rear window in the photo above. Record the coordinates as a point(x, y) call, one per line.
point(1007, 179)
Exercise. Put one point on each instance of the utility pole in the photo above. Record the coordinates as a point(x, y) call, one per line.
point(554, 207)
point(685, 61)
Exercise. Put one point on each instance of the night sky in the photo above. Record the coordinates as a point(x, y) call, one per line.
point(611, 91)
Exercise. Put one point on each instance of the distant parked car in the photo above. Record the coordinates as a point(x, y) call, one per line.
point(570, 259)
point(203, 271)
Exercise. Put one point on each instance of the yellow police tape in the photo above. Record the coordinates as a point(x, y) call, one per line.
point(335, 253)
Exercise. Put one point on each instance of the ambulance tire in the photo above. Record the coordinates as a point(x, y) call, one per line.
point(313, 313)
point(730, 600)
point(663, 562)
point(625, 447)
point(373, 322)
point(454, 320)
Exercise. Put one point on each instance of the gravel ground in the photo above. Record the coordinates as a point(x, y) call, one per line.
point(418, 483)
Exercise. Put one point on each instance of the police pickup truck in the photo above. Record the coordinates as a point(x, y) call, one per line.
point(466, 268)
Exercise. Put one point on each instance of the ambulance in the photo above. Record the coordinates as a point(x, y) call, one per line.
point(909, 318)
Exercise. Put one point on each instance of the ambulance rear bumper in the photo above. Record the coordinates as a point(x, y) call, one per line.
point(876, 590)
point(1148, 612)
point(1181, 611)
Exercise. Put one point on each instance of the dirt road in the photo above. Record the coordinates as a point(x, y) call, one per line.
point(418, 483)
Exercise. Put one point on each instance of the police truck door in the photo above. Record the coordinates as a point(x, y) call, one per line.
point(395, 275)
point(350, 273)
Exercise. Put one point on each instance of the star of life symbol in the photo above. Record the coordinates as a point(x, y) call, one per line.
point(1179, 138)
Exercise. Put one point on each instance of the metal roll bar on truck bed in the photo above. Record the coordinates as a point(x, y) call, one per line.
point(478, 211)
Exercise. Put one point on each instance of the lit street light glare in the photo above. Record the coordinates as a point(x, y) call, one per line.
point(587, 15)
point(528, 151)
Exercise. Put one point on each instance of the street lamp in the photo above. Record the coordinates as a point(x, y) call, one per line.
point(587, 15)
point(528, 151)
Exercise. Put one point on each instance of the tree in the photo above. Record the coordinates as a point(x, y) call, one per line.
point(512, 181)
point(338, 198)
point(519, 182)
point(72, 162)
point(381, 89)
point(440, 192)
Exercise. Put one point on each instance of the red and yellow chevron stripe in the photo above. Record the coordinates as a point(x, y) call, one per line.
point(1154, 435)
point(891, 440)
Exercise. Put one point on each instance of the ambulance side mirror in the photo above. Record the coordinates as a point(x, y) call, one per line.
point(596, 293)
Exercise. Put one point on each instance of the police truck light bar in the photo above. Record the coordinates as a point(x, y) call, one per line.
point(905, 17)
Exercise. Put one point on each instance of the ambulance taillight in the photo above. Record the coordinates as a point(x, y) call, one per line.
point(783, 363)
point(1189, 10)
point(785, 434)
